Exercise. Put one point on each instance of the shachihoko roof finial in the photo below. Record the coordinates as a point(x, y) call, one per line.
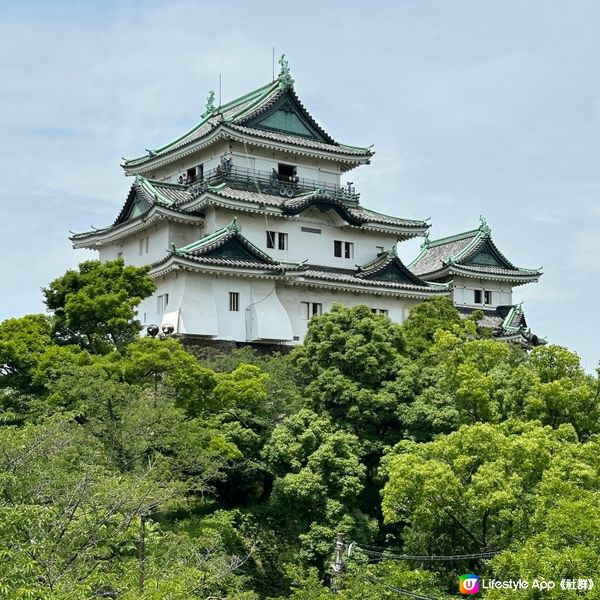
point(285, 78)
point(210, 104)
point(425, 241)
point(233, 226)
point(483, 226)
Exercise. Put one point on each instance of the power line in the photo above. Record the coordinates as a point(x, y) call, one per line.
point(425, 557)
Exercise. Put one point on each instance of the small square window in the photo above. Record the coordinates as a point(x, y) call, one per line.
point(234, 301)
point(310, 309)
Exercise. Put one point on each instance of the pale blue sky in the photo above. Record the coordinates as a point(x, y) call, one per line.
point(474, 107)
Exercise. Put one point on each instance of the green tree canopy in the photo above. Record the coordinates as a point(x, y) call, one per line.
point(94, 307)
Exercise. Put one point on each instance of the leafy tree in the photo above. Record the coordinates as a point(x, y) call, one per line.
point(94, 307)
point(22, 342)
point(353, 342)
point(318, 481)
point(471, 490)
point(431, 316)
point(165, 364)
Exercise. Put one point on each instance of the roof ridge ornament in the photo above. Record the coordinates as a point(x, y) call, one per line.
point(210, 104)
point(285, 78)
point(426, 240)
point(484, 228)
point(233, 226)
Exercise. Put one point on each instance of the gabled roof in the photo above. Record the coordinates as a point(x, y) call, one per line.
point(145, 193)
point(272, 112)
point(147, 202)
point(471, 254)
point(226, 246)
point(507, 323)
point(388, 267)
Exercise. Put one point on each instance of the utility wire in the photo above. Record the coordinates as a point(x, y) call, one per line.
point(425, 557)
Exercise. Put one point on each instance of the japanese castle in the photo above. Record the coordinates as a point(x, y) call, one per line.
point(249, 232)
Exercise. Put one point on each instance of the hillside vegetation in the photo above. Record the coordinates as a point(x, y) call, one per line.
point(130, 468)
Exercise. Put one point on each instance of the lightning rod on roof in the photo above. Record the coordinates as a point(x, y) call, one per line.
point(273, 63)
point(220, 90)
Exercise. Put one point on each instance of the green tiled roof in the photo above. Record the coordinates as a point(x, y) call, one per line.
point(472, 253)
point(272, 111)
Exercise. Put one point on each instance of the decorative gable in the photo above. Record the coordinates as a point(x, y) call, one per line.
point(287, 115)
point(135, 206)
point(388, 267)
point(487, 256)
point(234, 249)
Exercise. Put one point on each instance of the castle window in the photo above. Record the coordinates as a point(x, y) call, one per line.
point(193, 174)
point(379, 311)
point(343, 249)
point(310, 230)
point(310, 309)
point(482, 297)
point(286, 172)
point(161, 304)
point(277, 239)
point(234, 301)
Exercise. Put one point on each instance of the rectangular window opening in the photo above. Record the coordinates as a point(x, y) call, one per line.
point(309, 309)
point(234, 301)
point(337, 248)
point(270, 239)
point(487, 297)
point(477, 296)
point(161, 304)
point(283, 241)
point(286, 172)
point(310, 230)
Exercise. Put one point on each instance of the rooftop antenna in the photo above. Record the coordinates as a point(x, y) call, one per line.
point(273, 63)
point(220, 103)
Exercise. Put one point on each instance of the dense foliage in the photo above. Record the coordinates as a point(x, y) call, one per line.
point(130, 468)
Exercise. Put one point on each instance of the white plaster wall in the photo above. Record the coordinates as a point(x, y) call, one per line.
point(266, 317)
point(269, 311)
point(316, 248)
point(210, 157)
point(463, 294)
point(249, 157)
point(158, 242)
point(160, 238)
point(291, 297)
